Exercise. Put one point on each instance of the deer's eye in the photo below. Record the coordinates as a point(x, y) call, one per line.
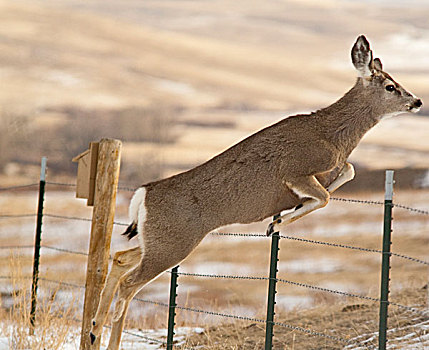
point(390, 88)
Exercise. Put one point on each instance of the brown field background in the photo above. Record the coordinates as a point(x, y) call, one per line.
point(180, 81)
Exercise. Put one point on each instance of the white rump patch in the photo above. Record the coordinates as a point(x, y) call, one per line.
point(136, 201)
point(137, 213)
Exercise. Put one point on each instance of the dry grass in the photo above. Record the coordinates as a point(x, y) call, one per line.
point(55, 317)
point(347, 321)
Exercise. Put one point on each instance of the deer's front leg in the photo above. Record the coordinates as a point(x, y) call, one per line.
point(304, 187)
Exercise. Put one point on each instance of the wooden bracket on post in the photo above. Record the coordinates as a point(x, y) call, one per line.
point(104, 157)
point(86, 173)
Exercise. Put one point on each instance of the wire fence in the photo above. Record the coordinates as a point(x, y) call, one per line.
point(226, 276)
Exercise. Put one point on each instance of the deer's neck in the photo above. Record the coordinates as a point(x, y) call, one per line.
point(347, 120)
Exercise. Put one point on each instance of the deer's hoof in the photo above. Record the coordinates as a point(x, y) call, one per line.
point(93, 338)
point(270, 229)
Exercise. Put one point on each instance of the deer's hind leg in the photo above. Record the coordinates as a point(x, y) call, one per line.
point(129, 286)
point(162, 251)
point(308, 188)
point(123, 262)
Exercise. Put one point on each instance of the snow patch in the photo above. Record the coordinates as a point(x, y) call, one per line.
point(290, 302)
point(321, 265)
point(424, 181)
point(131, 339)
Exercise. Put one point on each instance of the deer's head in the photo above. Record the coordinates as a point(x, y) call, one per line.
point(389, 97)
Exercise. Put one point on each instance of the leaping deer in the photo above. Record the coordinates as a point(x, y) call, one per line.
point(295, 163)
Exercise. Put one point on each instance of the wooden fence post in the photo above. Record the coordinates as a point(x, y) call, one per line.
point(106, 184)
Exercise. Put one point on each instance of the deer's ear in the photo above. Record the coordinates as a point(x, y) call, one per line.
point(362, 57)
point(377, 64)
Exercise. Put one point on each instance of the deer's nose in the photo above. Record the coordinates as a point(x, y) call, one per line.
point(418, 103)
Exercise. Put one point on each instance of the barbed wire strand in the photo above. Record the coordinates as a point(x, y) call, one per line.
point(158, 303)
point(409, 258)
point(10, 277)
point(120, 187)
point(127, 188)
point(60, 184)
point(311, 332)
point(64, 250)
point(15, 216)
point(141, 336)
point(258, 235)
point(420, 211)
point(360, 201)
point(337, 245)
point(397, 205)
point(10, 188)
point(246, 318)
point(55, 216)
point(16, 246)
point(44, 279)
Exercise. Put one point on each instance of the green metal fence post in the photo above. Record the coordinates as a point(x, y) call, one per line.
point(269, 330)
point(37, 241)
point(385, 265)
point(172, 307)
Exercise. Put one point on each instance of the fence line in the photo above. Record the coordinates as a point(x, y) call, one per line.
point(132, 189)
point(299, 284)
point(253, 235)
point(305, 240)
point(259, 278)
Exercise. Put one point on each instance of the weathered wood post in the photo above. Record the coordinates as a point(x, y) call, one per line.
point(107, 155)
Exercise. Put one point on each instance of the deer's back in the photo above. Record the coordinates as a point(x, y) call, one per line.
point(244, 184)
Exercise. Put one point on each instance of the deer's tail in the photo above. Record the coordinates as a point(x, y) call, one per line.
point(137, 208)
